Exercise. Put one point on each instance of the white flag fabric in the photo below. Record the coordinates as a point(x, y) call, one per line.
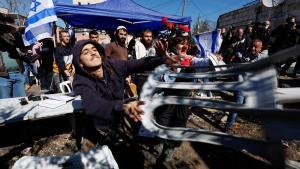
point(208, 42)
point(39, 21)
point(216, 62)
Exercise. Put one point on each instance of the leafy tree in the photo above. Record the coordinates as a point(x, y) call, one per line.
point(196, 27)
point(202, 26)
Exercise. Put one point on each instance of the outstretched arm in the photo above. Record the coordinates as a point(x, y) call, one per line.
point(150, 62)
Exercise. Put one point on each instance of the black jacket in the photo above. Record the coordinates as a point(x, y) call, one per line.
point(103, 98)
point(285, 37)
point(61, 53)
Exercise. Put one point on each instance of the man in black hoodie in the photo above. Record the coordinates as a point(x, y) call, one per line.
point(100, 83)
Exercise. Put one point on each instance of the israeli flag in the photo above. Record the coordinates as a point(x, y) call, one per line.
point(208, 42)
point(39, 22)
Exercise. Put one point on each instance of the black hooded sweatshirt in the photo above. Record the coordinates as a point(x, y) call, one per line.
point(103, 98)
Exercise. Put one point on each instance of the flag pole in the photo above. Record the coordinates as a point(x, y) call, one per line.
point(54, 32)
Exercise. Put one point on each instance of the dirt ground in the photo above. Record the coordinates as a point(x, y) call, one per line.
point(52, 137)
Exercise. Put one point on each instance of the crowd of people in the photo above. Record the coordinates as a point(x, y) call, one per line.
point(100, 72)
point(257, 41)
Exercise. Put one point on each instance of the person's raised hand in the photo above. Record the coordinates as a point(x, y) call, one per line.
point(133, 110)
point(161, 47)
point(219, 57)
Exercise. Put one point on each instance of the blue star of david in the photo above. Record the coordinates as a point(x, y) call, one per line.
point(35, 5)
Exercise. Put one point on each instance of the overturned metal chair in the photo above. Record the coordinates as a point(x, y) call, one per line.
point(263, 101)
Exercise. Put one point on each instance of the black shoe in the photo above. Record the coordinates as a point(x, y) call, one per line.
point(296, 75)
point(282, 73)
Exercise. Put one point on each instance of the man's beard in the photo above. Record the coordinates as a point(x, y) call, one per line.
point(147, 44)
point(121, 41)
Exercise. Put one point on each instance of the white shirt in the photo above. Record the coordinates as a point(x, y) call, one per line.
point(141, 51)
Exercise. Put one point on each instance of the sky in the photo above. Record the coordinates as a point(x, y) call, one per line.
point(205, 9)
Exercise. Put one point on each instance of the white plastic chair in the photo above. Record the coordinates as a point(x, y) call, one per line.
point(65, 85)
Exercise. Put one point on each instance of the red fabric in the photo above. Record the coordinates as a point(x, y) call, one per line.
point(180, 27)
point(186, 29)
point(171, 25)
point(187, 61)
point(164, 20)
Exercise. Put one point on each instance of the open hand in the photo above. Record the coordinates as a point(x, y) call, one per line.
point(133, 110)
point(161, 48)
point(219, 57)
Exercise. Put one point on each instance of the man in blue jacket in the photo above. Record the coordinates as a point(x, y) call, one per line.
point(100, 83)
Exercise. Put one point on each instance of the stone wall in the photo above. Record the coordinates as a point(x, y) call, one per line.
point(258, 12)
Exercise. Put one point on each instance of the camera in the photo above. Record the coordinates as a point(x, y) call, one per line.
point(165, 35)
point(34, 98)
point(23, 101)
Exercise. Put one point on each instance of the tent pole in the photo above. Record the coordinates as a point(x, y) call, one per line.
point(183, 8)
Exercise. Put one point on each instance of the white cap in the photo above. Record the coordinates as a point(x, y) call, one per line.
point(184, 33)
point(121, 27)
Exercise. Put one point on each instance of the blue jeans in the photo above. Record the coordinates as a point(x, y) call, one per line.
point(12, 86)
point(29, 68)
point(239, 98)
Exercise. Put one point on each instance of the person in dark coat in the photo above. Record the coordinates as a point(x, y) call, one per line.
point(264, 34)
point(100, 83)
point(46, 68)
point(286, 36)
